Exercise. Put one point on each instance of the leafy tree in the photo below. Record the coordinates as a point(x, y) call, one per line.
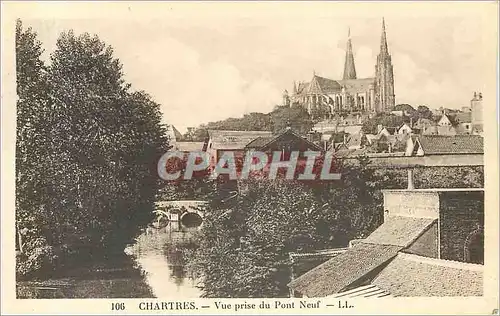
point(107, 138)
point(296, 117)
point(245, 241)
point(424, 112)
point(87, 148)
point(406, 108)
point(32, 143)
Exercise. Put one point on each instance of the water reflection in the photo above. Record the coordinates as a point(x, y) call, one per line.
point(161, 254)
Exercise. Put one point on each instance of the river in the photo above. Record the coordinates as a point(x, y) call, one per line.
point(154, 266)
point(160, 253)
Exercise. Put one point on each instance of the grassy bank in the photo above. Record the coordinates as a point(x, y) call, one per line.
point(114, 277)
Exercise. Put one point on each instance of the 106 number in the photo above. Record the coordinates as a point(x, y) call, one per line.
point(117, 306)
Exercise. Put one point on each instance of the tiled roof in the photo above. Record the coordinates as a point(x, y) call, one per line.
point(234, 139)
point(339, 272)
point(365, 291)
point(189, 146)
point(259, 142)
point(459, 144)
point(328, 85)
point(263, 142)
point(462, 117)
point(399, 230)
point(411, 275)
point(357, 85)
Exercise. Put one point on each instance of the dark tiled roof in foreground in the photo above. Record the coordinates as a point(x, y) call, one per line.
point(411, 275)
point(399, 230)
point(458, 144)
point(344, 269)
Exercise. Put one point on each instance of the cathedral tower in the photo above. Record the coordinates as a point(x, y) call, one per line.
point(384, 77)
point(349, 69)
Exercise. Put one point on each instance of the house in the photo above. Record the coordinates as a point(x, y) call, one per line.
point(288, 140)
point(455, 124)
point(463, 122)
point(428, 245)
point(447, 145)
point(405, 129)
point(219, 141)
point(425, 126)
point(357, 141)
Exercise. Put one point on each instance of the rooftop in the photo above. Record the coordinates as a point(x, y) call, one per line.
point(412, 275)
point(222, 139)
point(399, 230)
point(344, 269)
point(458, 144)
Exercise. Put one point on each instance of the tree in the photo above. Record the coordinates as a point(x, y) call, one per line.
point(245, 241)
point(32, 163)
point(87, 149)
point(107, 140)
point(424, 112)
point(296, 117)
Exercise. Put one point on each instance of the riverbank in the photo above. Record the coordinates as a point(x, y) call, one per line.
point(115, 277)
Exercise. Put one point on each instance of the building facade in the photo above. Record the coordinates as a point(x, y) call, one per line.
point(350, 94)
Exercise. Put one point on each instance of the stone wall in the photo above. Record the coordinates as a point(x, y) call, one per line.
point(460, 214)
point(411, 203)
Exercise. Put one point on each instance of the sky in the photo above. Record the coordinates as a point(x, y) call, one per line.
point(206, 62)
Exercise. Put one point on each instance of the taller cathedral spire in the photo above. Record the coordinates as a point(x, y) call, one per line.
point(384, 76)
point(349, 68)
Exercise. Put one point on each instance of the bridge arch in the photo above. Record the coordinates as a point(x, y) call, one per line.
point(191, 219)
point(188, 212)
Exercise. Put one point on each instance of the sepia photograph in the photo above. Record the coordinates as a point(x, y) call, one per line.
point(290, 151)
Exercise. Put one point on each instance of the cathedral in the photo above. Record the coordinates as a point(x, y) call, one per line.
point(351, 94)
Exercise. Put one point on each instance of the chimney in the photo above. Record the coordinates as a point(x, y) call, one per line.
point(411, 186)
point(344, 139)
point(379, 128)
point(411, 122)
point(480, 96)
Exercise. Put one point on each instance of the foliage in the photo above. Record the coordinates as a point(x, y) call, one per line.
point(406, 108)
point(424, 112)
point(245, 241)
point(434, 177)
point(275, 121)
point(296, 117)
point(87, 144)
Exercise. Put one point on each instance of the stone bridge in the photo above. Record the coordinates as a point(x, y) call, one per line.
point(184, 211)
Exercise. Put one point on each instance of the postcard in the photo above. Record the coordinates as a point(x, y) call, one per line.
point(206, 158)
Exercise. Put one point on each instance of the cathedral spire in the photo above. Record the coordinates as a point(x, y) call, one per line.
point(384, 77)
point(349, 68)
point(383, 40)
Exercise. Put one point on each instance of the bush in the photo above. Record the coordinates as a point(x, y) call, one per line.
point(40, 261)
